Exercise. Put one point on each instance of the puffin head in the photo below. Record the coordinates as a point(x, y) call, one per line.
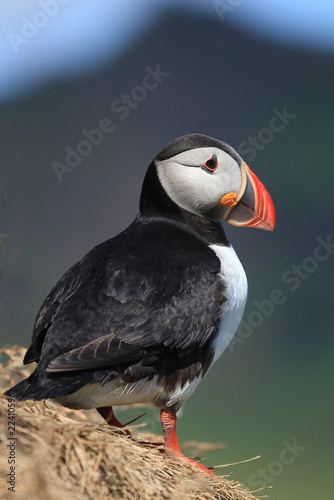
point(207, 177)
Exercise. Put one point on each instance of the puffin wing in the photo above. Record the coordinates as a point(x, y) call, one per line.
point(50, 307)
point(102, 352)
point(142, 294)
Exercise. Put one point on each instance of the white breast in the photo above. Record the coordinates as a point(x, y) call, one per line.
point(235, 281)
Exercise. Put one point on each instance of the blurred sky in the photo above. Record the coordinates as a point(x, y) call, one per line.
point(49, 39)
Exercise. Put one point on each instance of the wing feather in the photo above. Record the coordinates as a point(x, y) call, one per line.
point(106, 351)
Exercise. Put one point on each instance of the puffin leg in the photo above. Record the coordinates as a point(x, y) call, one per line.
point(107, 413)
point(168, 424)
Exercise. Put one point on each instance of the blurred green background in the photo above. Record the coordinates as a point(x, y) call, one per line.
point(226, 74)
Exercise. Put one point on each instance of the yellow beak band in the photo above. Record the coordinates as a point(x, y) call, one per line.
point(229, 200)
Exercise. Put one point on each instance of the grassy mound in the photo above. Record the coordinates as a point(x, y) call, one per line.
point(60, 453)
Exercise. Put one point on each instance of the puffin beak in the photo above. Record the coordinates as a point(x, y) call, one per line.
point(254, 206)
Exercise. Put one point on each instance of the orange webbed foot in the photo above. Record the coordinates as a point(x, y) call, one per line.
point(201, 466)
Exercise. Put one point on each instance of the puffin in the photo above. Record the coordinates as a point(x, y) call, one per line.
point(142, 317)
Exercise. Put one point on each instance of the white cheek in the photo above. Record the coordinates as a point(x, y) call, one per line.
point(229, 180)
point(196, 190)
point(189, 187)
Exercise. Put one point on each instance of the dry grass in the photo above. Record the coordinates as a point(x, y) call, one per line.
point(61, 454)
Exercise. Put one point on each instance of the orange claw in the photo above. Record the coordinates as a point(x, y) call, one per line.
point(229, 200)
point(202, 467)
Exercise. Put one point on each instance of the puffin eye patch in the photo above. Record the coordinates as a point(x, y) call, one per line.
point(210, 165)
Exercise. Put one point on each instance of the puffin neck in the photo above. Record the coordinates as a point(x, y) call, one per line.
point(156, 204)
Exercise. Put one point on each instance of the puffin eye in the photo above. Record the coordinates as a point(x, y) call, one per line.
point(210, 165)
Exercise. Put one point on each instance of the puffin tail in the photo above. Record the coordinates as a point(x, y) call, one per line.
point(20, 391)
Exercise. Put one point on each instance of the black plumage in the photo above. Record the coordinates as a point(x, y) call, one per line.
point(145, 303)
